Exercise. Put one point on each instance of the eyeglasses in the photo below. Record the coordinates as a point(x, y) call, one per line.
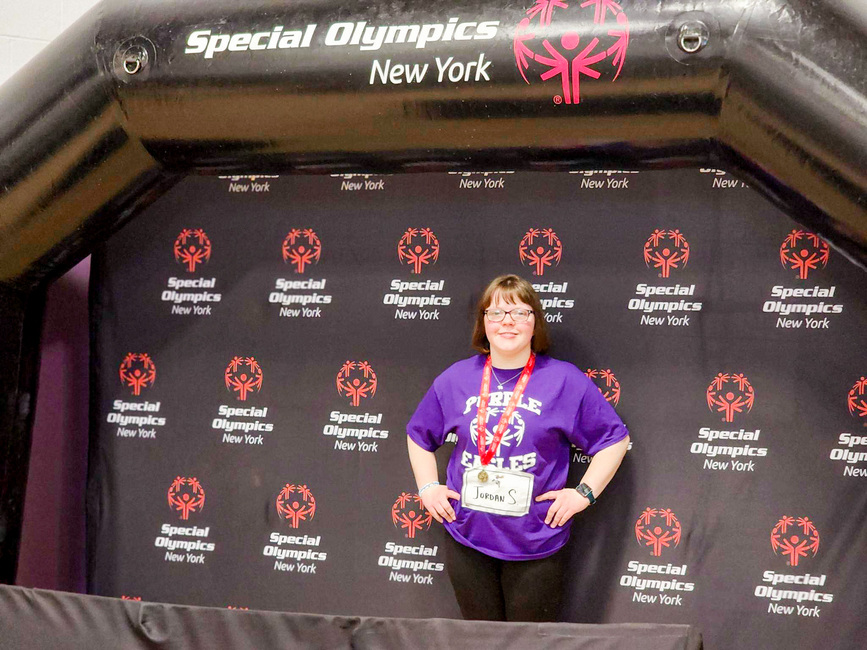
point(518, 315)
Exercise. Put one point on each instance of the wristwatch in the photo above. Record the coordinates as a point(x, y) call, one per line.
point(585, 491)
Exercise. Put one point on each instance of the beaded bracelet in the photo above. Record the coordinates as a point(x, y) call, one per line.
point(426, 486)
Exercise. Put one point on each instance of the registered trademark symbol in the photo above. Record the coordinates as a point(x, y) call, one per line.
point(558, 99)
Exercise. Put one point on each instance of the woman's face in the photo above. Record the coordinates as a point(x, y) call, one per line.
point(507, 337)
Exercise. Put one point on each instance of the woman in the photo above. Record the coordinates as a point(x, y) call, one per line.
point(505, 502)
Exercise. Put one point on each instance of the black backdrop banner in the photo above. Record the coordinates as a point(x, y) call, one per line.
point(260, 343)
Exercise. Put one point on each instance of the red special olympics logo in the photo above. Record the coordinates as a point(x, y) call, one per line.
point(186, 495)
point(417, 248)
point(301, 248)
point(540, 248)
point(243, 375)
point(607, 384)
point(137, 371)
point(355, 380)
point(666, 250)
point(856, 400)
point(192, 247)
point(573, 54)
point(729, 394)
point(803, 251)
point(295, 504)
point(409, 514)
point(795, 538)
point(657, 528)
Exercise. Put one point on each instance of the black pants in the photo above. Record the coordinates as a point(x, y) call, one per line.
point(488, 589)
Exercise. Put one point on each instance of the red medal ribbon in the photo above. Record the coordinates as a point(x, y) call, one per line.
point(485, 455)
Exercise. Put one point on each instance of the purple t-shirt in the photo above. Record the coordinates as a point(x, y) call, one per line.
point(559, 406)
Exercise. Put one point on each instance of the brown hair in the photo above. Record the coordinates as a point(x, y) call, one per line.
point(513, 289)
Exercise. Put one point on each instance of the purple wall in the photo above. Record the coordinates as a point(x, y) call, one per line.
point(52, 544)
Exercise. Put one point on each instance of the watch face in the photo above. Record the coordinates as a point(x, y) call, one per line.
point(585, 491)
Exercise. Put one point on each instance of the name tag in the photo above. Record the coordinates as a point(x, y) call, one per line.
point(498, 491)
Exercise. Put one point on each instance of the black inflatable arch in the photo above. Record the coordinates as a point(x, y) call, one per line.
point(115, 111)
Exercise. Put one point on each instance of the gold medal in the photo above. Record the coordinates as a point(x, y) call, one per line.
point(483, 476)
